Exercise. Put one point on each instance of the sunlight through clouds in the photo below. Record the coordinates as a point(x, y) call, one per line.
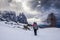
point(24, 6)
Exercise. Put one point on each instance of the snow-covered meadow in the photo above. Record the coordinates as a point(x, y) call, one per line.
point(7, 32)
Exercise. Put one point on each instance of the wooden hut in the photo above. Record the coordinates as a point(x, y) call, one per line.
point(52, 19)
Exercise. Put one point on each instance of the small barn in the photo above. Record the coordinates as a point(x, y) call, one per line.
point(52, 19)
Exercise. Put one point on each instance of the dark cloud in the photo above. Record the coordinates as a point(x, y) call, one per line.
point(44, 3)
point(48, 3)
point(9, 1)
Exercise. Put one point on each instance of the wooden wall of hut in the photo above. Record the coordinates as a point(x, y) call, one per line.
point(52, 19)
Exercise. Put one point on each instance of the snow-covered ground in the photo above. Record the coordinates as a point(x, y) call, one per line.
point(7, 32)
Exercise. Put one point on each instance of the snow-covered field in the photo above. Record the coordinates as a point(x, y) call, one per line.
point(7, 32)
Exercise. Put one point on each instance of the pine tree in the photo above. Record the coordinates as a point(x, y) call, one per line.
point(22, 18)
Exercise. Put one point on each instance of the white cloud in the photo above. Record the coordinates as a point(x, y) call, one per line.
point(31, 20)
point(20, 5)
point(4, 3)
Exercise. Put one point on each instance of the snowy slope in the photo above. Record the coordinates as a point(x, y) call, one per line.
point(9, 33)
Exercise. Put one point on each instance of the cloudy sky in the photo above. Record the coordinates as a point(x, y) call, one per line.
point(20, 6)
point(29, 6)
point(36, 10)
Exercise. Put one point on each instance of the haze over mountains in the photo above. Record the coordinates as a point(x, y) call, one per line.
point(33, 9)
